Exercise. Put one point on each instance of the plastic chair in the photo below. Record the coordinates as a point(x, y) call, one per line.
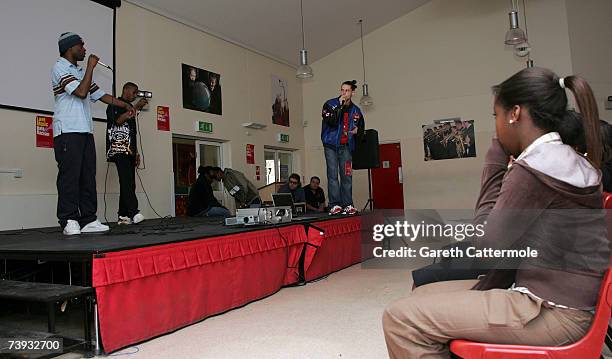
point(607, 200)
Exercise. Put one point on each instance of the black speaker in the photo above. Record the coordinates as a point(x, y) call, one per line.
point(367, 152)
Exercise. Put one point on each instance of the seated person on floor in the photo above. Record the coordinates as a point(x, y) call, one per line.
point(238, 186)
point(546, 300)
point(202, 201)
point(315, 197)
point(294, 187)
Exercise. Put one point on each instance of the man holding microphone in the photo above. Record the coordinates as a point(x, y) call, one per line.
point(122, 149)
point(75, 152)
point(342, 122)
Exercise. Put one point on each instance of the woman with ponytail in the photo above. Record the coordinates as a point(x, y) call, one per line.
point(549, 199)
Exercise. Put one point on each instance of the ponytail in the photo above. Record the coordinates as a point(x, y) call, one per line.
point(588, 108)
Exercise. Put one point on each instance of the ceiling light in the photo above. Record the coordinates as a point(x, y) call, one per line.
point(303, 71)
point(366, 100)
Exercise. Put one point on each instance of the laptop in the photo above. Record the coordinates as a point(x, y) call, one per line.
point(282, 200)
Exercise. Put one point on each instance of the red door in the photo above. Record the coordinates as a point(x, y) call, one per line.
point(387, 187)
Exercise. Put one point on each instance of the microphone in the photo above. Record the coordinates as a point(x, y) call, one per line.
point(104, 65)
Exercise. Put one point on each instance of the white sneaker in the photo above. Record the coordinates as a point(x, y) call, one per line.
point(72, 228)
point(335, 210)
point(138, 218)
point(350, 210)
point(124, 220)
point(95, 227)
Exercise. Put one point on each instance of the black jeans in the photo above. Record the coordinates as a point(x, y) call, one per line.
point(75, 154)
point(449, 269)
point(128, 202)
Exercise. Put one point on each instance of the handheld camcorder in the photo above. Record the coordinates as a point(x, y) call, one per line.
point(144, 94)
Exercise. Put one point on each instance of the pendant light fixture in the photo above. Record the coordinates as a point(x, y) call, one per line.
point(366, 100)
point(525, 46)
point(303, 71)
point(514, 35)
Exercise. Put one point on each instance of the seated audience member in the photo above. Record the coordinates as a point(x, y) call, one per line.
point(202, 201)
point(238, 186)
point(572, 133)
point(294, 187)
point(315, 197)
point(547, 304)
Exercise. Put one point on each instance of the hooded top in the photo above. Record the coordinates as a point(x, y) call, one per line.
point(550, 200)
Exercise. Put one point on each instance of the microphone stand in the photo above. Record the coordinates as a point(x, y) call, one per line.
point(370, 201)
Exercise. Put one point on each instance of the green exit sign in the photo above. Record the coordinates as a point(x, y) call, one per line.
point(282, 137)
point(206, 127)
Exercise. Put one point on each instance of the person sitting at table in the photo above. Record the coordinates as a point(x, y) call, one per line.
point(315, 196)
point(294, 187)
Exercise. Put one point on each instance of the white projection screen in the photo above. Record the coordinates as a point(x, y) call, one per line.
point(29, 30)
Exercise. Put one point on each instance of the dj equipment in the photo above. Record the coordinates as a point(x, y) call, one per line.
point(264, 215)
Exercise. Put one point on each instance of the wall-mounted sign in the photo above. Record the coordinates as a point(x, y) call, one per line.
point(250, 154)
point(44, 131)
point(283, 137)
point(163, 118)
point(203, 126)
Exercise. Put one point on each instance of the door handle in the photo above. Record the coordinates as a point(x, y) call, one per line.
point(401, 174)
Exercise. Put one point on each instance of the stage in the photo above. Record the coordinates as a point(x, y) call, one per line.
point(164, 274)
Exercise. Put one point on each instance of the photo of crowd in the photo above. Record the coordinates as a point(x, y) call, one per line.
point(449, 139)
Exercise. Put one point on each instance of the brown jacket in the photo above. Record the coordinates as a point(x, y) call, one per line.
point(551, 200)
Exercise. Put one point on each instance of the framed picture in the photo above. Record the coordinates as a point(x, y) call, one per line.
point(449, 139)
point(201, 90)
point(280, 103)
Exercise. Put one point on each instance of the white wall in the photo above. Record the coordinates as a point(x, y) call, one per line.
point(438, 61)
point(150, 50)
point(590, 31)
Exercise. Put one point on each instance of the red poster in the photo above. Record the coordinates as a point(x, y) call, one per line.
point(44, 131)
point(163, 118)
point(250, 154)
point(258, 172)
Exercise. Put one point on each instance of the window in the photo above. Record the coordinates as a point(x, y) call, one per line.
point(279, 165)
point(209, 154)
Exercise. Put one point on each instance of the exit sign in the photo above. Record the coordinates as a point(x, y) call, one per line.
point(206, 127)
point(282, 137)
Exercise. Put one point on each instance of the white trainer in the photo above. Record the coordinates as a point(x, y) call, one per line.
point(335, 210)
point(123, 220)
point(138, 218)
point(95, 227)
point(72, 228)
point(350, 210)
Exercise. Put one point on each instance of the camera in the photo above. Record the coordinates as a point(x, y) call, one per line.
point(144, 94)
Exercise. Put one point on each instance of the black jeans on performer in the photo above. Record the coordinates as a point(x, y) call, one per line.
point(75, 154)
point(128, 202)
